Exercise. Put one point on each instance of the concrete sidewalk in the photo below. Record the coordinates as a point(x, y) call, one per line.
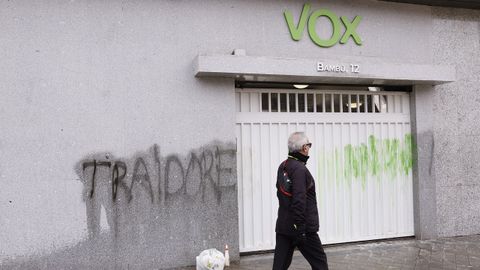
point(445, 253)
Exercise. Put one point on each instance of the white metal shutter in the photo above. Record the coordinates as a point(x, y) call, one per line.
point(361, 160)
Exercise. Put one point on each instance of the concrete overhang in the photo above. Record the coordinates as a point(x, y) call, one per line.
point(275, 69)
point(470, 4)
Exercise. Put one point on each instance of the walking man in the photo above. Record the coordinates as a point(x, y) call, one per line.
point(297, 222)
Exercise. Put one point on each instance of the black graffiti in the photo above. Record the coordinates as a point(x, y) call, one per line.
point(203, 171)
point(117, 178)
point(94, 163)
point(158, 164)
point(141, 178)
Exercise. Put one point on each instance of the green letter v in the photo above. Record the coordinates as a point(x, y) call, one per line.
point(297, 32)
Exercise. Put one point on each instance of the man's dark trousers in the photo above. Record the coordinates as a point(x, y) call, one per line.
point(311, 249)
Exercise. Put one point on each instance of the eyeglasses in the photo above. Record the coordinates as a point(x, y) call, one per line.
point(309, 145)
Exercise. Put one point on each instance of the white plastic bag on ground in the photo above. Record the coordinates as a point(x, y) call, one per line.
point(210, 259)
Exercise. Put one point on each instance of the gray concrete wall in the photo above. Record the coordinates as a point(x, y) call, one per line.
point(104, 92)
point(113, 82)
point(445, 124)
point(456, 122)
point(424, 181)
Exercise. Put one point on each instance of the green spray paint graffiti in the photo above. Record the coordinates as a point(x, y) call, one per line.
point(388, 157)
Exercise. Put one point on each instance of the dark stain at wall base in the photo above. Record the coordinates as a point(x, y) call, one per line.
point(152, 212)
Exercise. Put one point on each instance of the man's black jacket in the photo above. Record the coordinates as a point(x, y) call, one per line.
point(301, 208)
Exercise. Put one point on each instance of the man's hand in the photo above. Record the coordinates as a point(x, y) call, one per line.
point(300, 235)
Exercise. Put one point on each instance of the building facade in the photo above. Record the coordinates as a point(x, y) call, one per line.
point(137, 134)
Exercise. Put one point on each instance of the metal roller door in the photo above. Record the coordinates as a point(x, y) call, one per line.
point(361, 159)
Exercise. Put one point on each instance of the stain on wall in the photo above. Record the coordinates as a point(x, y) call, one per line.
point(203, 175)
point(160, 211)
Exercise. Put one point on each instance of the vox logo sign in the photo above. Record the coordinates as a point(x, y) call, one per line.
point(343, 28)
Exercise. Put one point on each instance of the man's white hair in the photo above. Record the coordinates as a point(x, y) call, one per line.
point(296, 141)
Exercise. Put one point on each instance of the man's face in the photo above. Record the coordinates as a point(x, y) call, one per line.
point(306, 148)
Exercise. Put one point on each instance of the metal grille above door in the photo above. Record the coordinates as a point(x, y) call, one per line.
point(361, 160)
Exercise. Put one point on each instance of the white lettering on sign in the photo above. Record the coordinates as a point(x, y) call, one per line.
point(321, 67)
point(355, 68)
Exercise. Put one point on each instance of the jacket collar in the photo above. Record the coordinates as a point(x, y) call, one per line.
point(298, 156)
